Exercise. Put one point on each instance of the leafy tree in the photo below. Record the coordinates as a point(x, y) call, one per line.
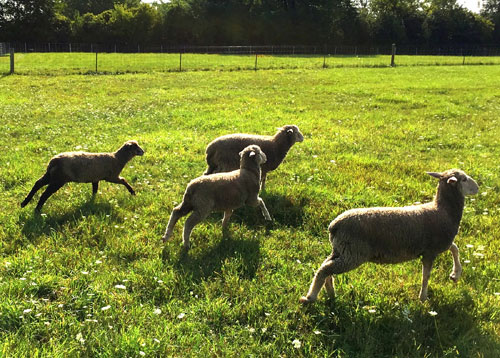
point(491, 11)
point(26, 20)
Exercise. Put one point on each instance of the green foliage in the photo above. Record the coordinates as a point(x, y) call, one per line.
point(242, 22)
point(91, 277)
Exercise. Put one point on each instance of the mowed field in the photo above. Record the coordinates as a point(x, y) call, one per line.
point(91, 277)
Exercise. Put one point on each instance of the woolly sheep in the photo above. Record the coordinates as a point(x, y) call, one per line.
point(393, 235)
point(222, 152)
point(83, 167)
point(221, 192)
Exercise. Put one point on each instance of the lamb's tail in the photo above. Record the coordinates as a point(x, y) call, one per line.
point(211, 166)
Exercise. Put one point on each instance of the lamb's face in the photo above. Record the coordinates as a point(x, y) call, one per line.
point(465, 183)
point(254, 152)
point(459, 179)
point(293, 133)
point(133, 148)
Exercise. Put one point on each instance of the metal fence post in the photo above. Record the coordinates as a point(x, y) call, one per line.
point(11, 60)
point(255, 68)
point(393, 55)
point(180, 61)
point(96, 62)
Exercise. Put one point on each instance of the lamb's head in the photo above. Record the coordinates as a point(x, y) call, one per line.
point(253, 153)
point(457, 179)
point(131, 147)
point(292, 133)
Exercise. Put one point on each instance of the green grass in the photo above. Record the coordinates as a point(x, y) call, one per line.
point(370, 135)
point(78, 62)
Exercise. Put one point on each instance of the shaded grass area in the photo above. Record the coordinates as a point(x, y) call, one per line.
point(88, 63)
point(90, 277)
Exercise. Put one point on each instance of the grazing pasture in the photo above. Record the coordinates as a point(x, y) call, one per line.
point(85, 62)
point(91, 277)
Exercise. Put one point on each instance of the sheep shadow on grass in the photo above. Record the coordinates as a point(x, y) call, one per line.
point(405, 330)
point(209, 261)
point(35, 224)
point(283, 212)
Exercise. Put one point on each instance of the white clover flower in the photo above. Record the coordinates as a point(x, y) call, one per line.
point(79, 338)
point(27, 310)
point(433, 313)
point(157, 311)
point(105, 308)
point(296, 343)
point(121, 287)
point(181, 315)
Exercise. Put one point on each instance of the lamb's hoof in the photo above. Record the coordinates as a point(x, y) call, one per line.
point(304, 300)
point(185, 247)
point(454, 276)
point(132, 193)
point(164, 239)
point(23, 204)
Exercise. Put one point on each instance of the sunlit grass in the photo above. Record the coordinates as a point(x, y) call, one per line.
point(78, 63)
point(92, 278)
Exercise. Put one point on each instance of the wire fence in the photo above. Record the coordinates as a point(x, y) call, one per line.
point(70, 58)
point(4, 48)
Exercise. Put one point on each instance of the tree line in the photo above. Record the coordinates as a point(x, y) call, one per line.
point(250, 22)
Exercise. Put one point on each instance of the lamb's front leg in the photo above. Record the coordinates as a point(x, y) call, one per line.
point(264, 209)
point(457, 267)
point(225, 220)
point(122, 181)
point(426, 274)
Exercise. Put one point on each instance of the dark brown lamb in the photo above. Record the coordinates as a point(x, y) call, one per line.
point(393, 235)
point(222, 152)
point(83, 167)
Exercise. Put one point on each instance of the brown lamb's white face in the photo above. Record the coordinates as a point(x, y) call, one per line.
point(456, 177)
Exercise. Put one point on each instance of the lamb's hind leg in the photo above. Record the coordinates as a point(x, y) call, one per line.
point(332, 265)
point(178, 212)
point(457, 267)
point(195, 218)
point(51, 189)
point(44, 180)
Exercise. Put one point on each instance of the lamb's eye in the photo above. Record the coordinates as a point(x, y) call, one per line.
point(465, 179)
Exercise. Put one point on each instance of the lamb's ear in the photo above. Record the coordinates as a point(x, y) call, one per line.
point(435, 174)
point(289, 130)
point(241, 154)
point(452, 180)
point(252, 153)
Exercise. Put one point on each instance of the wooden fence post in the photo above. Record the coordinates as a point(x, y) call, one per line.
point(12, 60)
point(96, 62)
point(180, 61)
point(393, 55)
point(255, 68)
